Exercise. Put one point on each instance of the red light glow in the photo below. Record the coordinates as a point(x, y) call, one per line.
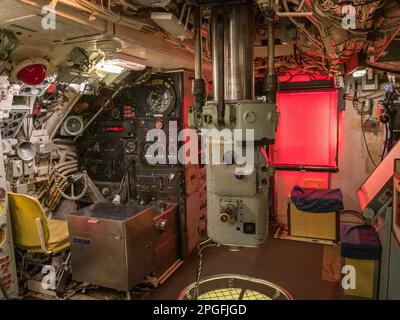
point(307, 133)
point(378, 178)
point(33, 74)
point(114, 129)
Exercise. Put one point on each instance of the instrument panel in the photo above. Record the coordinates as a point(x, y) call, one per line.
point(159, 97)
point(103, 159)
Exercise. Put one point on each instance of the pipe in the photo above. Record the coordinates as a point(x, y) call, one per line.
point(294, 14)
point(69, 171)
point(67, 168)
point(271, 81)
point(198, 45)
point(126, 4)
point(62, 166)
point(271, 48)
point(232, 33)
point(59, 165)
point(198, 84)
point(300, 27)
point(239, 63)
point(217, 33)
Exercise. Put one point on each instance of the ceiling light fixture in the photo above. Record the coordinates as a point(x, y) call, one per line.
point(109, 66)
point(128, 64)
point(361, 72)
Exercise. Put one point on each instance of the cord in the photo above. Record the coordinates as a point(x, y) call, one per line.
point(365, 140)
point(386, 144)
point(201, 247)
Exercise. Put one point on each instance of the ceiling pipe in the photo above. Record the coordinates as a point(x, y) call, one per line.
point(270, 84)
point(198, 84)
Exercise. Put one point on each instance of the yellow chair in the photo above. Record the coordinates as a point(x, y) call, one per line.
point(32, 231)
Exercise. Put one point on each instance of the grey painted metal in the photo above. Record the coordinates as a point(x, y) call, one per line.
point(384, 237)
point(198, 54)
point(6, 243)
point(389, 287)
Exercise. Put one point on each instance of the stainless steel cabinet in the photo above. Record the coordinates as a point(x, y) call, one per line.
point(112, 245)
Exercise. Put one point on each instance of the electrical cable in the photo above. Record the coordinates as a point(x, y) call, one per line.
point(264, 153)
point(365, 140)
point(354, 4)
point(386, 144)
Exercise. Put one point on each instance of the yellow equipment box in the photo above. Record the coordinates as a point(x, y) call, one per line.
point(360, 255)
point(312, 225)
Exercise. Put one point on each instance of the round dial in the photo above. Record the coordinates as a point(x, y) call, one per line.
point(73, 125)
point(105, 191)
point(115, 113)
point(159, 125)
point(161, 98)
point(368, 213)
point(130, 147)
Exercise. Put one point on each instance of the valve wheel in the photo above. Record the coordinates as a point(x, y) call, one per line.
point(71, 180)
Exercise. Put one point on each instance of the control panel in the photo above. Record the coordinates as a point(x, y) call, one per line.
point(8, 273)
point(114, 150)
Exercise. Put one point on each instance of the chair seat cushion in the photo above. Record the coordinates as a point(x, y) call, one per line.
point(58, 239)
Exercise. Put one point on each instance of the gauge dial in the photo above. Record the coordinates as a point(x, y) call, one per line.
point(161, 97)
point(73, 125)
point(159, 125)
point(130, 147)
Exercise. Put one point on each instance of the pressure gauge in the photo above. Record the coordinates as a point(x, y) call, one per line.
point(72, 126)
point(115, 113)
point(161, 97)
point(368, 213)
point(130, 147)
point(159, 125)
point(105, 191)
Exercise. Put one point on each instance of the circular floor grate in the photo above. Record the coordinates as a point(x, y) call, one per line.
point(234, 287)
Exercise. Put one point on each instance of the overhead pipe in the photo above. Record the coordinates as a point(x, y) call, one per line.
point(198, 84)
point(217, 34)
point(300, 27)
point(232, 32)
point(294, 14)
point(271, 80)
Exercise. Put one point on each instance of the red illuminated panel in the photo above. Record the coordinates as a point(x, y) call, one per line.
point(378, 178)
point(307, 129)
point(114, 129)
